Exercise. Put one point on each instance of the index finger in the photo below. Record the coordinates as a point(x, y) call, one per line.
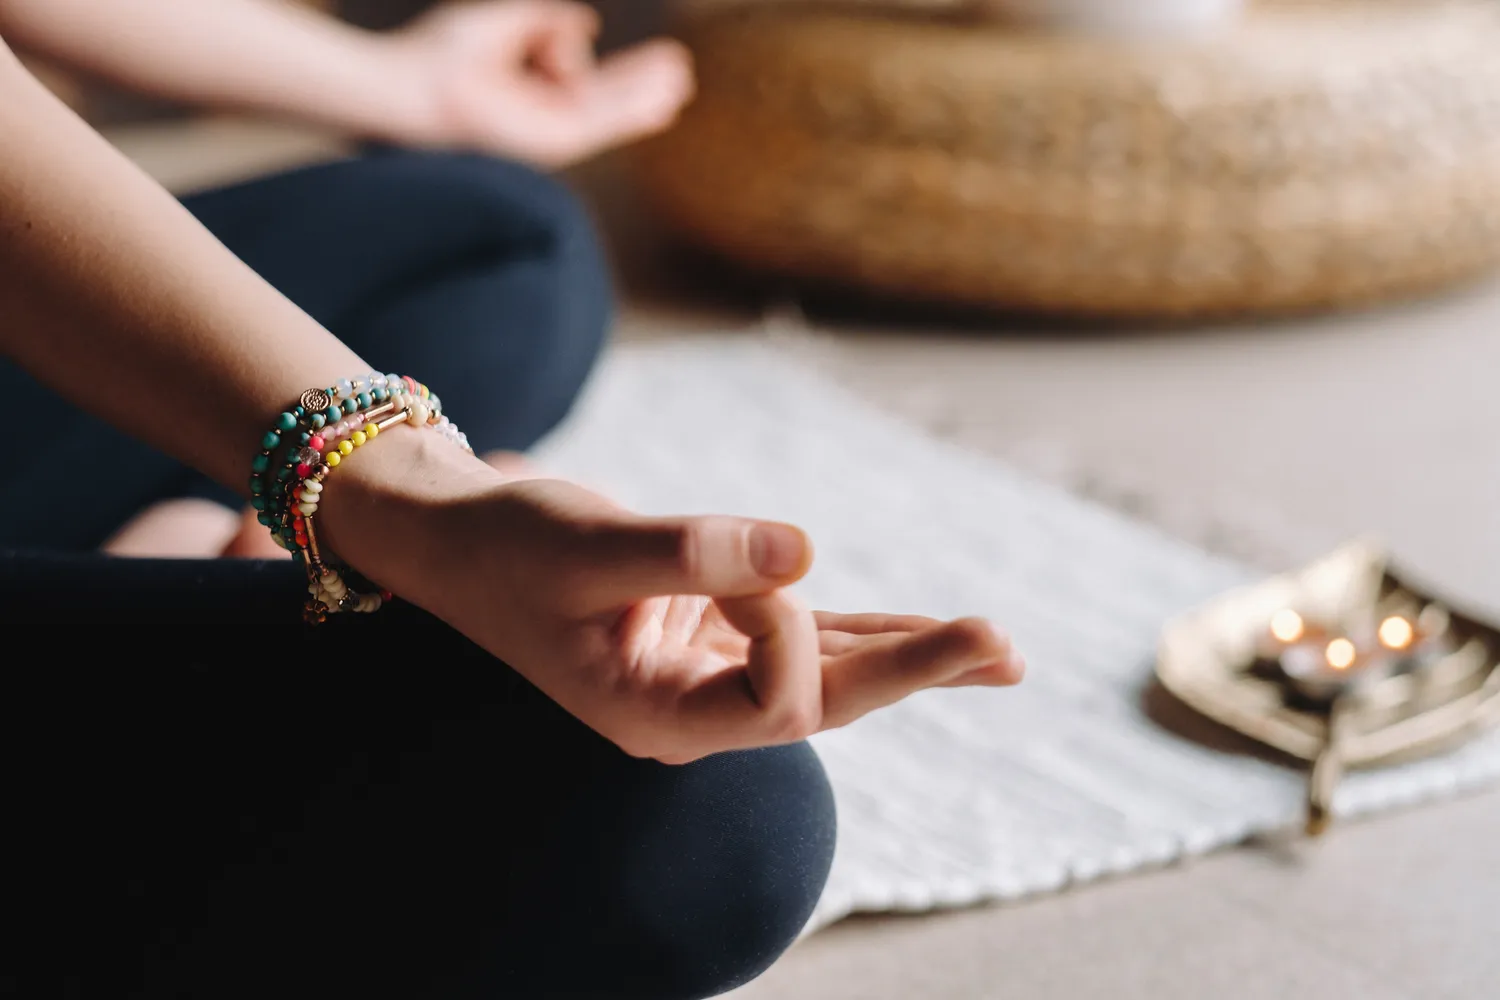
point(777, 696)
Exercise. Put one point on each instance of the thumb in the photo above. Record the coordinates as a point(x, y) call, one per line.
point(707, 556)
point(564, 46)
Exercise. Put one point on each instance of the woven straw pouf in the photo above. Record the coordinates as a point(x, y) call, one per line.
point(1317, 154)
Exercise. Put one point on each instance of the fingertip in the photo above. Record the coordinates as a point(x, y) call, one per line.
point(995, 662)
point(980, 635)
point(781, 553)
point(1007, 672)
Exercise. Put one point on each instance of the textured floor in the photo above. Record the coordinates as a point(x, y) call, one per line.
point(958, 796)
point(1267, 442)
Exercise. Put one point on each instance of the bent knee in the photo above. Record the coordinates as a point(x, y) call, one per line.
point(534, 265)
point(750, 856)
point(527, 213)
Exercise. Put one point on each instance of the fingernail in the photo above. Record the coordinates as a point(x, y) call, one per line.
point(777, 550)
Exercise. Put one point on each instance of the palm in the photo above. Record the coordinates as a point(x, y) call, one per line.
point(668, 630)
point(692, 633)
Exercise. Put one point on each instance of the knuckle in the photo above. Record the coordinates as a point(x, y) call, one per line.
point(796, 722)
point(630, 747)
point(633, 745)
point(793, 606)
point(677, 759)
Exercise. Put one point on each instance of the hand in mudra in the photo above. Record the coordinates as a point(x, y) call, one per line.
point(519, 78)
point(673, 637)
point(754, 671)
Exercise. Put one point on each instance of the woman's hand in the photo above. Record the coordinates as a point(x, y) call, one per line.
point(515, 78)
point(518, 78)
point(672, 637)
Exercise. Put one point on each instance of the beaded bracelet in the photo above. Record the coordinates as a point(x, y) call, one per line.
point(306, 444)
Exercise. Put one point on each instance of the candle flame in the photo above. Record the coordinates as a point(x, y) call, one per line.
point(1341, 654)
point(1287, 625)
point(1396, 633)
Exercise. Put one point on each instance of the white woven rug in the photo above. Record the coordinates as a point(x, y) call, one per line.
point(955, 797)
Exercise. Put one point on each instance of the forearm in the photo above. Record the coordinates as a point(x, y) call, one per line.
point(113, 294)
point(266, 56)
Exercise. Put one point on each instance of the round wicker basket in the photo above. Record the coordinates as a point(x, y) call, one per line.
point(1319, 154)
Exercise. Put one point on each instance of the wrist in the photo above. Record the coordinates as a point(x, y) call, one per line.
point(374, 86)
point(410, 110)
point(384, 511)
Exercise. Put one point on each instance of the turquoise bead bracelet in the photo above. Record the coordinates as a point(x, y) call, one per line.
point(311, 439)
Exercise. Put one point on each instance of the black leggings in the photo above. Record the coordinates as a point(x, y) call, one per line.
point(204, 798)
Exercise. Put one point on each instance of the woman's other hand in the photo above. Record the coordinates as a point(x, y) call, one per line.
point(518, 78)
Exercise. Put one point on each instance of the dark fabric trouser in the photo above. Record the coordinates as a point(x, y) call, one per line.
point(204, 798)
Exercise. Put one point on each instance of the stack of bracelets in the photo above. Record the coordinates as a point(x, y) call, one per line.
point(309, 441)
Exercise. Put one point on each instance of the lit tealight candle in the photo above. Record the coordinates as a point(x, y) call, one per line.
point(1322, 663)
point(1419, 644)
point(1322, 670)
point(1287, 626)
point(1341, 654)
point(1397, 634)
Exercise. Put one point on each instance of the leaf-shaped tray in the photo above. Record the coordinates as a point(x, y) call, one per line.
point(1214, 660)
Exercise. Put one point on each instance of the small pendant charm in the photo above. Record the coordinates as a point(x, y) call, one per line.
point(315, 400)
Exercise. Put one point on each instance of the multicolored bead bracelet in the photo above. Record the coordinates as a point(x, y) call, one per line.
point(310, 440)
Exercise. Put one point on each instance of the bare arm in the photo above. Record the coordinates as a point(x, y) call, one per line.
point(256, 55)
point(515, 78)
point(113, 294)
